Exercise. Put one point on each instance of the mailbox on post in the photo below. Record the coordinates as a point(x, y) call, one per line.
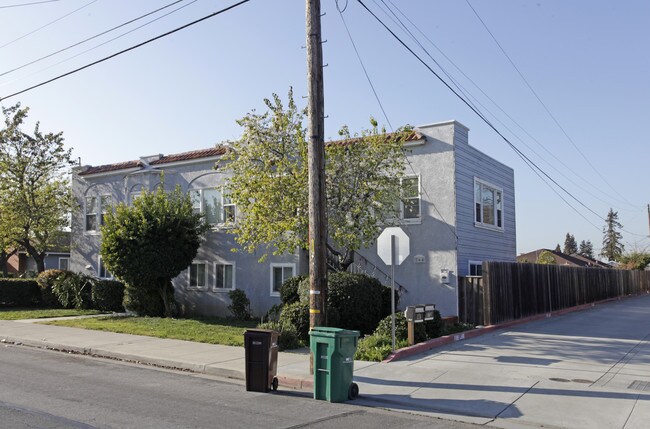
point(419, 314)
point(429, 310)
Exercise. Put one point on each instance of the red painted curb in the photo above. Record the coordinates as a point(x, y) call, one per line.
point(448, 339)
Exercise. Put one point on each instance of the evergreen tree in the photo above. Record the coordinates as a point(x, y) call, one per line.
point(612, 246)
point(558, 248)
point(586, 249)
point(570, 244)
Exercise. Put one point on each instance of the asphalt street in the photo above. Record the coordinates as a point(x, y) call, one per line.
point(46, 389)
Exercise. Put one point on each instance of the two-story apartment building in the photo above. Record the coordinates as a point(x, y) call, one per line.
point(461, 211)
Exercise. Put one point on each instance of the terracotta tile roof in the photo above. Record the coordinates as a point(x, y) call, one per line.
point(413, 136)
point(185, 156)
point(207, 153)
point(195, 154)
point(111, 167)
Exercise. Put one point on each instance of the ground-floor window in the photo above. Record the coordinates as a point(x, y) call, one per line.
point(279, 274)
point(475, 268)
point(198, 275)
point(224, 275)
point(64, 264)
point(102, 272)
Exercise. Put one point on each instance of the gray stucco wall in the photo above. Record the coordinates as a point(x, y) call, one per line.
point(250, 275)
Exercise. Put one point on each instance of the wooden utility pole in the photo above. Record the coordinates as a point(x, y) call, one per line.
point(316, 167)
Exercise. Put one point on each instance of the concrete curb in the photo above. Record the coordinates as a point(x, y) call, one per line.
point(209, 369)
point(449, 339)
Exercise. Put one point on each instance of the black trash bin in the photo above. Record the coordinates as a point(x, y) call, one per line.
point(261, 360)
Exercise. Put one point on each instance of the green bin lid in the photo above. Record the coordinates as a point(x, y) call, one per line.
point(326, 331)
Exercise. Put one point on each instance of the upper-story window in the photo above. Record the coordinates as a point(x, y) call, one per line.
point(217, 207)
point(488, 203)
point(96, 208)
point(409, 203)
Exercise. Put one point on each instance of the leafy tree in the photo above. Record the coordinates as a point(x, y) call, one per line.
point(269, 184)
point(635, 260)
point(570, 244)
point(546, 258)
point(35, 195)
point(558, 248)
point(586, 249)
point(149, 243)
point(7, 243)
point(612, 246)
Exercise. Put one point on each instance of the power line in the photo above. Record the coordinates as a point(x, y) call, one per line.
point(361, 62)
point(468, 94)
point(557, 123)
point(108, 41)
point(127, 49)
point(47, 25)
point(529, 162)
point(28, 4)
point(88, 39)
point(408, 161)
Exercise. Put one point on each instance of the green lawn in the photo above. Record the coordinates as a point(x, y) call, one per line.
point(23, 313)
point(212, 331)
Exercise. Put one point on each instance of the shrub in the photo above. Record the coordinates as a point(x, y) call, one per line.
point(273, 315)
point(289, 289)
point(73, 290)
point(434, 328)
point(19, 293)
point(384, 328)
point(288, 336)
point(108, 295)
point(240, 305)
point(297, 316)
point(356, 300)
point(45, 282)
point(376, 347)
point(145, 302)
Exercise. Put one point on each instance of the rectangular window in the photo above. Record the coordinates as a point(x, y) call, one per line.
point(475, 268)
point(91, 213)
point(105, 205)
point(224, 275)
point(64, 264)
point(198, 275)
point(411, 198)
point(217, 208)
point(488, 202)
point(102, 272)
point(279, 274)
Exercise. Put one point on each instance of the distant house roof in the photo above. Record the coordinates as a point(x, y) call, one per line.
point(563, 259)
point(203, 153)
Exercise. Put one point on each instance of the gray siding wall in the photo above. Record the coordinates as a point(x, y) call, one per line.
point(477, 243)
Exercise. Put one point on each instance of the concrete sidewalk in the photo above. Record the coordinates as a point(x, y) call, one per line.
point(588, 369)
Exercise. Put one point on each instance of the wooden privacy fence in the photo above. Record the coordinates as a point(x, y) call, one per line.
point(510, 291)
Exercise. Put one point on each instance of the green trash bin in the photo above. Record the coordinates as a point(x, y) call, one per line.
point(333, 350)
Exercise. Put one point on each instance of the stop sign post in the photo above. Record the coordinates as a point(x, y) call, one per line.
point(393, 246)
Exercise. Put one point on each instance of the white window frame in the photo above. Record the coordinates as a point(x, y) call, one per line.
point(102, 210)
point(280, 265)
point(474, 263)
point(205, 280)
point(67, 263)
point(413, 220)
point(233, 285)
point(497, 190)
point(94, 213)
point(201, 206)
point(99, 270)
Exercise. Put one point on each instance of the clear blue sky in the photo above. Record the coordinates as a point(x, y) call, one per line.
point(587, 60)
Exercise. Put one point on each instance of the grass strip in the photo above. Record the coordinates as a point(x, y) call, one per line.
point(41, 313)
point(212, 331)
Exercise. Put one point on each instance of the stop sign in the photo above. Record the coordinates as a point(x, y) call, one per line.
point(401, 245)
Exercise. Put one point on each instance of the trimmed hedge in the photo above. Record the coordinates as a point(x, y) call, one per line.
point(297, 316)
point(146, 302)
point(108, 295)
point(19, 293)
point(287, 334)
